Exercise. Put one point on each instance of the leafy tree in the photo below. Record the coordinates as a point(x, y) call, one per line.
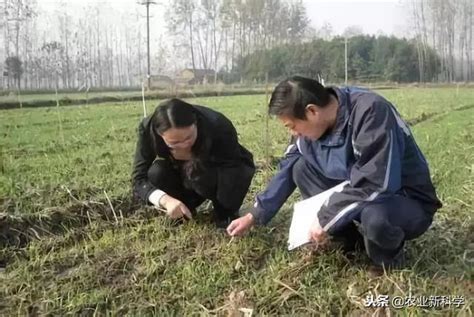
point(14, 69)
point(369, 58)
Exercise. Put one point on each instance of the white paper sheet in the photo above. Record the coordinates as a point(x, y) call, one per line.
point(305, 214)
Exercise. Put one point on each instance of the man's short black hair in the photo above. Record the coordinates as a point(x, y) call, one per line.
point(291, 96)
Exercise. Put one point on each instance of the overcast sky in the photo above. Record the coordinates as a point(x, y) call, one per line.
point(373, 16)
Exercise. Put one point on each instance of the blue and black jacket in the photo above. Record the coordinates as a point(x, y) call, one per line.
point(370, 148)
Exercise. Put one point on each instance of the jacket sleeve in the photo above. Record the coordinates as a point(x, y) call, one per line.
point(144, 157)
point(234, 166)
point(225, 146)
point(378, 144)
point(280, 187)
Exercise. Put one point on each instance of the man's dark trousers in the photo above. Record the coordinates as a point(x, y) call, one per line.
point(384, 225)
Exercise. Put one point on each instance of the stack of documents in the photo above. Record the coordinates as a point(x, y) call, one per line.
point(305, 214)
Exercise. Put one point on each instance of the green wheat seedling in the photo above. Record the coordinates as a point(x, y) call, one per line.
point(73, 241)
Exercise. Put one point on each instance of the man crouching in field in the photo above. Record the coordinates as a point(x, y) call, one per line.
point(355, 136)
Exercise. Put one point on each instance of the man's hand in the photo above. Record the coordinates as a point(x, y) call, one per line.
point(317, 234)
point(241, 225)
point(174, 208)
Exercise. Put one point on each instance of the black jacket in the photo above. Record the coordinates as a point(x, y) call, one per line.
point(219, 142)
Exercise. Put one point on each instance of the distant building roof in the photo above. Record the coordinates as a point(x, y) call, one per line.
point(201, 72)
point(161, 78)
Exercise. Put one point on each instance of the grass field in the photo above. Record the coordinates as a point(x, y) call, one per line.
point(13, 97)
point(73, 242)
point(13, 100)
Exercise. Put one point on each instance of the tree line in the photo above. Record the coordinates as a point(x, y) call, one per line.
point(65, 49)
point(216, 33)
point(84, 50)
point(369, 58)
point(241, 39)
point(447, 27)
point(247, 39)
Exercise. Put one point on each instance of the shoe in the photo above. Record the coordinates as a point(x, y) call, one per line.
point(351, 244)
point(350, 239)
point(374, 271)
point(397, 263)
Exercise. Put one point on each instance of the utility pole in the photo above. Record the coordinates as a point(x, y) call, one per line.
point(345, 59)
point(147, 4)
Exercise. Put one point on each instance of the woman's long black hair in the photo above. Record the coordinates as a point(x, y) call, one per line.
point(176, 113)
point(173, 113)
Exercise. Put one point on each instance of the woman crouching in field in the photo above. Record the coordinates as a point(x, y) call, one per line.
point(187, 153)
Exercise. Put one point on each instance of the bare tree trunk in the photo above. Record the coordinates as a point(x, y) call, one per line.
point(226, 49)
point(217, 50)
point(99, 60)
point(66, 52)
point(5, 29)
point(128, 49)
point(462, 41)
point(138, 56)
point(68, 70)
point(232, 55)
point(113, 79)
point(108, 68)
point(90, 57)
point(451, 32)
point(424, 42)
point(17, 31)
point(202, 52)
point(241, 44)
point(470, 47)
point(26, 59)
point(117, 59)
point(191, 40)
point(17, 37)
point(122, 66)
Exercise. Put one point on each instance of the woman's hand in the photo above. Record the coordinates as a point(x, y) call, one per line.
point(175, 208)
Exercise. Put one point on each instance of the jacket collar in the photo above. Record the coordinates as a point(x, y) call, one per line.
point(336, 136)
